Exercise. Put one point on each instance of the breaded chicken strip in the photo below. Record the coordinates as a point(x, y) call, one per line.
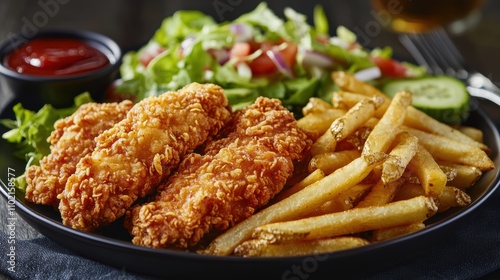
point(137, 153)
point(236, 176)
point(72, 139)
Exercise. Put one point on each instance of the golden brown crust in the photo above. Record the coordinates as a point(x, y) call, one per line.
point(133, 156)
point(237, 175)
point(72, 139)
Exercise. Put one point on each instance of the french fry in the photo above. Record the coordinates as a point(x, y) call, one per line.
point(346, 100)
point(446, 149)
point(348, 82)
point(450, 172)
point(338, 100)
point(409, 190)
point(259, 248)
point(381, 194)
point(399, 157)
point(316, 105)
point(358, 138)
point(464, 176)
point(329, 162)
point(431, 177)
point(343, 201)
point(350, 221)
point(343, 126)
point(297, 204)
point(472, 132)
point(393, 232)
point(386, 129)
point(421, 121)
point(310, 179)
point(452, 197)
point(316, 124)
point(449, 197)
point(355, 117)
point(324, 144)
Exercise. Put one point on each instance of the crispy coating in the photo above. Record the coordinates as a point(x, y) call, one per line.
point(237, 175)
point(132, 157)
point(72, 139)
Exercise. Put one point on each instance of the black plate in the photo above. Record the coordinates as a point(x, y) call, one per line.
point(113, 247)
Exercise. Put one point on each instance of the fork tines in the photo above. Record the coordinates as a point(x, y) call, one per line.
point(436, 51)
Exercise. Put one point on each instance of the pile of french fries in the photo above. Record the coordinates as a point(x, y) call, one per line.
point(379, 168)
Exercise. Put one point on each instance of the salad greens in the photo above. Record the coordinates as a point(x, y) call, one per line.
point(30, 130)
point(258, 54)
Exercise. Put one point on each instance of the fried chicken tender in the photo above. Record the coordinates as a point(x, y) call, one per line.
point(72, 139)
point(237, 175)
point(136, 154)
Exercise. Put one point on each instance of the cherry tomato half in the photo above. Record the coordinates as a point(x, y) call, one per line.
point(263, 65)
point(390, 67)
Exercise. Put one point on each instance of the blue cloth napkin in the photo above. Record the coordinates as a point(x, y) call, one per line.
point(43, 259)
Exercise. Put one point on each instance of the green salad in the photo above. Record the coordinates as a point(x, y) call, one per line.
point(30, 130)
point(258, 54)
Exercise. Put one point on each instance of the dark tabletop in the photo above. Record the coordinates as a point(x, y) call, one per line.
point(131, 23)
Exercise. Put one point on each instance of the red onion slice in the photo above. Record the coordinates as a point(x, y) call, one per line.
point(312, 58)
point(187, 44)
point(280, 63)
point(220, 55)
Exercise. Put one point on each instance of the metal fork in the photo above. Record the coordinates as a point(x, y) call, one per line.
point(437, 52)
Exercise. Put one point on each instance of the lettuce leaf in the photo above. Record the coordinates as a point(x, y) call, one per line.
point(30, 130)
point(180, 25)
point(264, 19)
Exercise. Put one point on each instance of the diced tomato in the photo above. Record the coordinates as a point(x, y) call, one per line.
point(290, 54)
point(263, 65)
point(390, 67)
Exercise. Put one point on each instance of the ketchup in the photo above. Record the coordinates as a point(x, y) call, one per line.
point(56, 57)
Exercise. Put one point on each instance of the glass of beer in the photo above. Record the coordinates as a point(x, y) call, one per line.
point(422, 15)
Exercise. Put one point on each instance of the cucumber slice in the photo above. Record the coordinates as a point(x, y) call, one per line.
point(441, 97)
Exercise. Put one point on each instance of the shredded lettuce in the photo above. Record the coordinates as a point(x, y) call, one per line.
point(189, 39)
point(30, 130)
point(264, 19)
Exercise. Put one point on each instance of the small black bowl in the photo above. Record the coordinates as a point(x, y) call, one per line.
point(34, 91)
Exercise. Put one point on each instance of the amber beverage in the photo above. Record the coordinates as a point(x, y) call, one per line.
point(421, 15)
